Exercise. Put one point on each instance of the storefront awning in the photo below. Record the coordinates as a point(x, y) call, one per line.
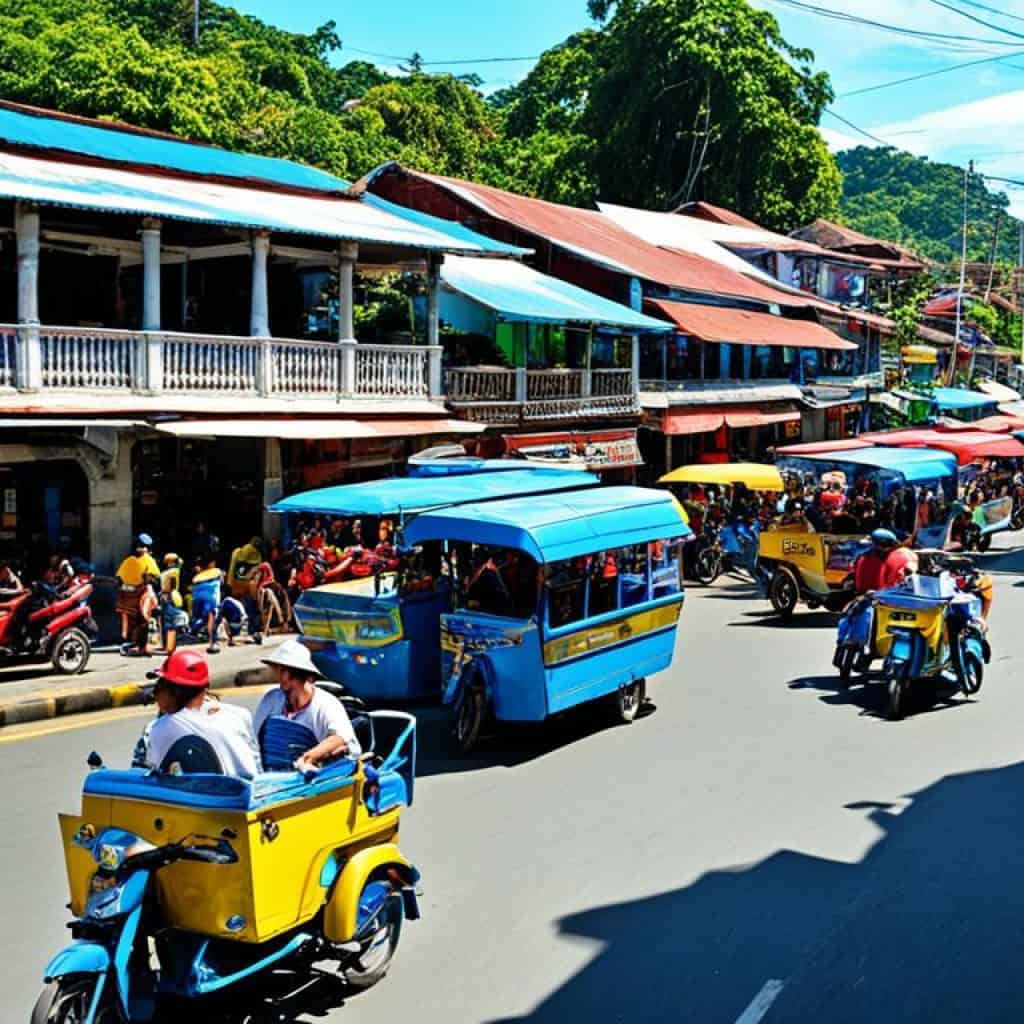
point(595, 450)
point(738, 417)
point(518, 293)
point(742, 327)
point(314, 430)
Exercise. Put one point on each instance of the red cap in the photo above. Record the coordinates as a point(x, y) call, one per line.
point(184, 668)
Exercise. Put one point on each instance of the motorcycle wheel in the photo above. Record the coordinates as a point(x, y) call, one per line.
point(784, 592)
point(708, 566)
point(984, 542)
point(1017, 522)
point(898, 685)
point(70, 652)
point(67, 1001)
point(469, 720)
point(627, 701)
point(972, 674)
point(380, 907)
point(845, 661)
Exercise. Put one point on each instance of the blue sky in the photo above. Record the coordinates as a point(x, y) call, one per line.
point(973, 113)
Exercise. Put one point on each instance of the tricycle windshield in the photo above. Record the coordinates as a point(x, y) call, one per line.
point(494, 580)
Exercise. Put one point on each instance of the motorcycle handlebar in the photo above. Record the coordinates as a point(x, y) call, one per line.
point(163, 856)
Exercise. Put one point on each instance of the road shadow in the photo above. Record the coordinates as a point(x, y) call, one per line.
point(870, 695)
point(507, 745)
point(801, 620)
point(925, 929)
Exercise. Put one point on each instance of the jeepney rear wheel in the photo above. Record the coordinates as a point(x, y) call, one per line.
point(469, 719)
point(784, 592)
point(627, 701)
point(381, 914)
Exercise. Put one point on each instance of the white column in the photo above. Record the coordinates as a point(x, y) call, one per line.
point(433, 295)
point(348, 253)
point(150, 274)
point(259, 307)
point(30, 355)
point(434, 385)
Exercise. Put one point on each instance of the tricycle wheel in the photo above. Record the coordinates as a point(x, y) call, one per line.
point(708, 566)
point(469, 719)
point(70, 652)
point(898, 683)
point(378, 928)
point(845, 660)
point(972, 673)
point(68, 1001)
point(784, 592)
point(627, 701)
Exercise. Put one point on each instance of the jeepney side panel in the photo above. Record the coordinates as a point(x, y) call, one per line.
point(804, 551)
point(594, 658)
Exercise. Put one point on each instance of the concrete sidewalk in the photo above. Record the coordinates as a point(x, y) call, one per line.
point(33, 692)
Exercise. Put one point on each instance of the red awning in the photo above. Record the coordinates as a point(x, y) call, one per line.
point(823, 447)
point(707, 420)
point(966, 445)
point(742, 327)
point(1000, 424)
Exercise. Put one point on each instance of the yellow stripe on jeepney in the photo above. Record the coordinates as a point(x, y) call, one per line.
point(608, 634)
point(346, 630)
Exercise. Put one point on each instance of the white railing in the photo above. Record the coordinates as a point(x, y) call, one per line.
point(196, 364)
point(390, 370)
point(156, 362)
point(78, 357)
point(480, 384)
point(612, 382)
point(305, 368)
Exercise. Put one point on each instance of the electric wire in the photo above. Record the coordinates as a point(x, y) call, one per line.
point(931, 74)
point(976, 19)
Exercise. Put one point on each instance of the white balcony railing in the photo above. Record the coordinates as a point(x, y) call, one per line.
point(151, 362)
point(499, 396)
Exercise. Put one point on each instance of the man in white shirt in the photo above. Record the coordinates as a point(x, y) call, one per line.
point(298, 699)
point(183, 681)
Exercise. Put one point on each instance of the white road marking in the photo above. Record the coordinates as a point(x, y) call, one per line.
point(761, 1003)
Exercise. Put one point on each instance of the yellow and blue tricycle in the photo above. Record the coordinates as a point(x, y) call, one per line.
point(184, 885)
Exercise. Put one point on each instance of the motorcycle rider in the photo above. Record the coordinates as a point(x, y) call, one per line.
point(885, 565)
point(298, 699)
point(184, 679)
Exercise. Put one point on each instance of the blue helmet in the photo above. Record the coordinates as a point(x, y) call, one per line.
point(886, 537)
point(143, 540)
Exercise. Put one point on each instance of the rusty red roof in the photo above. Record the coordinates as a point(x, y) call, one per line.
point(718, 214)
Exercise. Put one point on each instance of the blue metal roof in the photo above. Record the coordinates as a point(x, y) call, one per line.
point(410, 495)
point(915, 465)
point(551, 527)
point(108, 143)
point(960, 398)
point(518, 293)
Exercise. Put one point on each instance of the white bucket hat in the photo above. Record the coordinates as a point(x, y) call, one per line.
point(295, 655)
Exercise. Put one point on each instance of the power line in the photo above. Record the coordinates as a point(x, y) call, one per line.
point(991, 10)
point(938, 37)
point(976, 19)
point(850, 124)
point(435, 63)
point(930, 74)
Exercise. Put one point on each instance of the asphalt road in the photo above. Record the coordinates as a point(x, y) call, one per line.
point(761, 846)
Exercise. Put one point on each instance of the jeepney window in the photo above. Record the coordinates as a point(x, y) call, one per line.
point(420, 569)
point(666, 567)
point(633, 568)
point(604, 583)
point(567, 588)
point(495, 581)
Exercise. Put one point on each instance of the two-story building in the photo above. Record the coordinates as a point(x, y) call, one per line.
point(724, 381)
point(178, 340)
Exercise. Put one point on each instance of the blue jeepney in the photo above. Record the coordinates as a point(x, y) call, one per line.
point(379, 635)
point(559, 599)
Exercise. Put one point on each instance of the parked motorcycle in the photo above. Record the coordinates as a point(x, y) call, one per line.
point(46, 622)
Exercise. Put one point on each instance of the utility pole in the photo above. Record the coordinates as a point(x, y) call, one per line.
point(968, 170)
point(195, 23)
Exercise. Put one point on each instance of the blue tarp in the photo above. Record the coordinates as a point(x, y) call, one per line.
point(519, 294)
point(961, 398)
point(410, 495)
point(915, 465)
point(552, 527)
point(52, 133)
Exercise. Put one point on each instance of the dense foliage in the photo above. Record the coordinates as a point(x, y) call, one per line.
point(912, 200)
point(651, 108)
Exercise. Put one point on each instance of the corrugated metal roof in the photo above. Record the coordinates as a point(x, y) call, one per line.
point(25, 126)
point(740, 326)
point(519, 293)
point(595, 237)
point(117, 191)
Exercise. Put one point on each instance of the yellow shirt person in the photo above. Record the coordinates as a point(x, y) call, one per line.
point(135, 568)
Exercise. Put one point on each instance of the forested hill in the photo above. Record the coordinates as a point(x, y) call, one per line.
point(894, 195)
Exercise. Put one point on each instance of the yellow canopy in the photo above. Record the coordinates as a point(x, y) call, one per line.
point(754, 475)
point(919, 355)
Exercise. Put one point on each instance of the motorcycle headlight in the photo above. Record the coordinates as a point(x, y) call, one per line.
point(114, 845)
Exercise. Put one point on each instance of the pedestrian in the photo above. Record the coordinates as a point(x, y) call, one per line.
point(135, 575)
point(207, 585)
point(173, 616)
point(232, 616)
point(245, 559)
